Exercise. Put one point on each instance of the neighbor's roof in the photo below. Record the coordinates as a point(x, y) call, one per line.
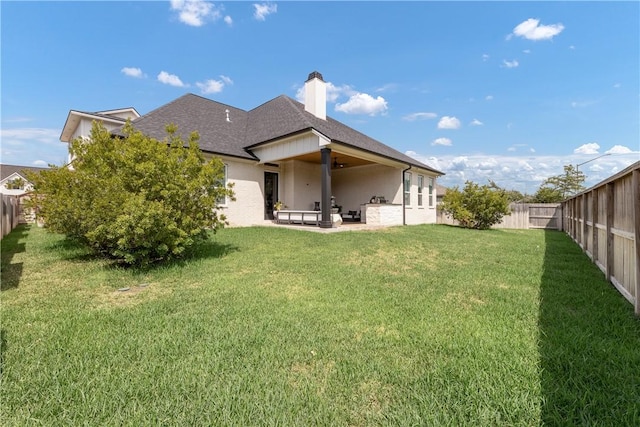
point(227, 130)
point(8, 170)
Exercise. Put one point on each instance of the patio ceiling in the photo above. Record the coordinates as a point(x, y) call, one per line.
point(338, 160)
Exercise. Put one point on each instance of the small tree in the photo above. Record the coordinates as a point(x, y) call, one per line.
point(548, 195)
point(476, 206)
point(557, 188)
point(16, 184)
point(134, 199)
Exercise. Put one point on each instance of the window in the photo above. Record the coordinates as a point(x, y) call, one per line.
point(407, 188)
point(223, 183)
point(420, 186)
point(430, 192)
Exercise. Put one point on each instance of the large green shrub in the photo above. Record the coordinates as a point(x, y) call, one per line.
point(134, 199)
point(476, 206)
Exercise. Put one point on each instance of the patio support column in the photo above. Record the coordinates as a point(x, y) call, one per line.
point(325, 203)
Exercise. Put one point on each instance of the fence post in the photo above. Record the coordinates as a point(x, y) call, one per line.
point(594, 225)
point(610, 205)
point(636, 220)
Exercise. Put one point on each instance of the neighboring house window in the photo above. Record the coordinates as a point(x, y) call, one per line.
point(430, 192)
point(15, 184)
point(223, 183)
point(420, 186)
point(407, 188)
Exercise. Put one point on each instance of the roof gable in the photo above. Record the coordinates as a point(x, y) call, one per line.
point(209, 118)
point(226, 130)
point(8, 172)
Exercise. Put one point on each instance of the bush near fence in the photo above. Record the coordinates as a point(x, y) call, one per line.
point(523, 216)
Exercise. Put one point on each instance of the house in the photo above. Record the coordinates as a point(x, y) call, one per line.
point(287, 151)
point(440, 190)
point(14, 181)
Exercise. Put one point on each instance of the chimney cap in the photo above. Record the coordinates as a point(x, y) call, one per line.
point(315, 75)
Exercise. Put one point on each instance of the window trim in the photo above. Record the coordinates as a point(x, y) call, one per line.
point(408, 178)
point(432, 187)
point(223, 201)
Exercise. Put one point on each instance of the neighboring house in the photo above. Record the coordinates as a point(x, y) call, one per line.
point(14, 181)
point(287, 151)
point(440, 190)
point(79, 123)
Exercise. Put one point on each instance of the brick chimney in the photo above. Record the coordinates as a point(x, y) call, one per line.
point(315, 96)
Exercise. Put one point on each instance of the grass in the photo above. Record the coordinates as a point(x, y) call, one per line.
point(419, 325)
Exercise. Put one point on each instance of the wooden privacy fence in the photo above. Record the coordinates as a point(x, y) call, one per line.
point(523, 215)
point(10, 213)
point(605, 221)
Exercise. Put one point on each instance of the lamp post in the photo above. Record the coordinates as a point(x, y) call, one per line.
point(588, 161)
point(595, 158)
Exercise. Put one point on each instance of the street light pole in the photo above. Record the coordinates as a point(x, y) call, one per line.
point(588, 161)
point(595, 158)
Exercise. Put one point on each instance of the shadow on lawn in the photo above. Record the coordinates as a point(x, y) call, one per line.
point(589, 342)
point(11, 245)
point(71, 250)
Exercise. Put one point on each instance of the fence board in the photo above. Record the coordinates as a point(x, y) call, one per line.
point(605, 222)
point(523, 216)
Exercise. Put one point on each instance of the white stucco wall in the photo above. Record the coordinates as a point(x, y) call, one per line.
point(424, 214)
point(307, 185)
point(355, 186)
point(248, 180)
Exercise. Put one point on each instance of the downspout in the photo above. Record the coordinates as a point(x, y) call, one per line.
point(404, 208)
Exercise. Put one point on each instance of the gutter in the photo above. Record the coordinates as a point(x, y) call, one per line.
point(404, 208)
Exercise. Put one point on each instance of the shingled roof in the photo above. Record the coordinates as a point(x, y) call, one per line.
point(8, 170)
point(226, 130)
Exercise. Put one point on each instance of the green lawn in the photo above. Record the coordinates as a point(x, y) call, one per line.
point(417, 325)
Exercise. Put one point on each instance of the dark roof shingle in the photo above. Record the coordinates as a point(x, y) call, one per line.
point(8, 170)
point(277, 118)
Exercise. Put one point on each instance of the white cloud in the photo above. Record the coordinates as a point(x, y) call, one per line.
point(228, 20)
point(362, 103)
point(583, 104)
point(572, 47)
point(132, 72)
point(214, 86)
point(261, 11)
point(526, 51)
point(524, 172)
point(40, 163)
point(447, 122)
point(488, 98)
point(590, 148)
point(211, 86)
point(619, 149)
point(419, 116)
point(485, 57)
point(531, 30)
point(511, 149)
point(17, 136)
point(195, 12)
point(389, 87)
point(617, 85)
point(37, 146)
point(476, 122)
point(510, 64)
point(333, 92)
point(170, 79)
point(442, 141)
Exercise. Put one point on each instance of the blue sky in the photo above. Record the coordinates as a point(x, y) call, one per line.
point(509, 91)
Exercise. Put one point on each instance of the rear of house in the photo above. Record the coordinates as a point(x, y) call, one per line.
point(291, 152)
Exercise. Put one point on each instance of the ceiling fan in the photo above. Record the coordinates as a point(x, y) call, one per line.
point(337, 165)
